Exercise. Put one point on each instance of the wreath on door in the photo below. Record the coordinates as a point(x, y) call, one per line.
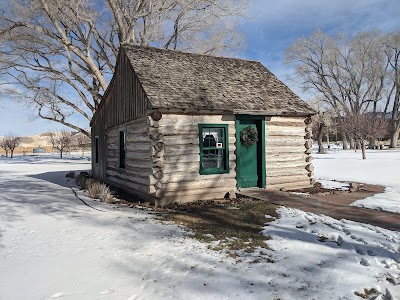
point(249, 136)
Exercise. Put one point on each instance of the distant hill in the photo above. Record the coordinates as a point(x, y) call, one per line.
point(28, 143)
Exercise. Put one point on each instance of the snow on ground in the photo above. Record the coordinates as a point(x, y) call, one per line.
point(381, 167)
point(329, 184)
point(53, 246)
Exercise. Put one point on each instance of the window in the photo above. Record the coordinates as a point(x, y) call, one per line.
point(96, 149)
point(122, 141)
point(214, 151)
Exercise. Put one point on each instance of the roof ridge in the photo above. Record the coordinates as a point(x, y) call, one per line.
point(188, 53)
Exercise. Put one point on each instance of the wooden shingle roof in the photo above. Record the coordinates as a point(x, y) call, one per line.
point(173, 79)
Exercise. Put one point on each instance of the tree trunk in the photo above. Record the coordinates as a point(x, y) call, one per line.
point(395, 136)
point(327, 137)
point(61, 152)
point(344, 141)
point(363, 149)
point(12, 153)
point(321, 149)
point(352, 143)
point(372, 143)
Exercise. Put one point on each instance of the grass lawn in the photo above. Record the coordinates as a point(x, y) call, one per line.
point(226, 225)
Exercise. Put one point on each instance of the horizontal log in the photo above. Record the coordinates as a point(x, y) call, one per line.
point(180, 119)
point(190, 158)
point(282, 119)
point(286, 143)
point(143, 147)
point(292, 185)
point(114, 146)
point(277, 157)
point(283, 149)
point(129, 177)
point(144, 164)
point(199, 186)
point(195, 176)
point(178, 150)
point(286, 179)
point(178, 129)
point(283, 123)
point(138, 155)
point(286, 172)
point(285, 131)
point(190, 168)
point(189, 140)
point(283, 139)
point(137, 129)
point(294, 163)
point(132, 185)
point(138, 138)
point(112, 153)
point(195, 195)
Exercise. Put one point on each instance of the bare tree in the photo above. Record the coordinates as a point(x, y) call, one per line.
point(9, 143)
point(392, 50)
point(81, 141)
point(322, 121)
point(61, 141)
point(364, 127)
point(59, 55)
point(348, 72)
point(4, 145)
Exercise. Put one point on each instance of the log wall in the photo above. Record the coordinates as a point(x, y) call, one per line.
point(288, 149)
point(124, 100)
point(176, 159)
point(137, 175)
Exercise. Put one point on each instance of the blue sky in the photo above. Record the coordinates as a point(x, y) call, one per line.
point(273, 26)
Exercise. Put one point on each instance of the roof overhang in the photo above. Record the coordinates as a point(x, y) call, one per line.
point(272, 113)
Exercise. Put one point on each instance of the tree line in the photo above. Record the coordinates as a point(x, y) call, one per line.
point(9, 142)
point(356, 81)
point(62, 141)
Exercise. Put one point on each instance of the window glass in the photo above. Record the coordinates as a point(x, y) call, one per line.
point(213, 148)
point(96, 154)
point(122, 136)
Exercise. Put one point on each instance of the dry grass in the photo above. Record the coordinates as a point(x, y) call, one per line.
point(235, 225)
point(99, 190)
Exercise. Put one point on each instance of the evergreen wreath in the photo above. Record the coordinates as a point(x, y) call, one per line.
point(249, 136)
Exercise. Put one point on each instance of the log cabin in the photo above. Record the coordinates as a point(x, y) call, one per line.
point(175, 126)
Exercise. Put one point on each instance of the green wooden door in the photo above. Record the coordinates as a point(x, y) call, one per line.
point(250, 159)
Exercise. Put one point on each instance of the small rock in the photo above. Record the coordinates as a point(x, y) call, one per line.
point(70, 174)
point(283, 189)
